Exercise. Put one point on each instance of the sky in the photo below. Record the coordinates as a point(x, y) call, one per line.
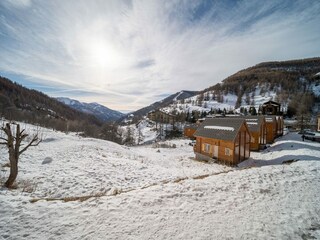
point(129, 54)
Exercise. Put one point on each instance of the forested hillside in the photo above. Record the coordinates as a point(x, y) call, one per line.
point(21, 104)
point(294, 83)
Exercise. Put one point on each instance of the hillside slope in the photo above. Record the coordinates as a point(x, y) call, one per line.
point(20, 103)
point(294, 84)
point(286, 79)
point(179, 96)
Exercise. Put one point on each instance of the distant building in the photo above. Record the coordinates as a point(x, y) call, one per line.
point(225, 139)
point(271, 108)
point(162, 117)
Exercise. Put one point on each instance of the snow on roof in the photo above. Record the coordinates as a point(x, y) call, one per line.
point(219, 128)
point(252, 119)
point(269, 120)
point(252, 123)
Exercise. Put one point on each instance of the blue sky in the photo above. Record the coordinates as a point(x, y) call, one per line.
point(125, 54)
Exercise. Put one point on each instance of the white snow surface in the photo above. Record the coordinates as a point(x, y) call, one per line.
point(172, 196)
point(252, 123)
point(220, 128)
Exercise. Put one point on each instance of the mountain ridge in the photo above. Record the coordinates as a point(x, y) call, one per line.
point(293, 83)
point(101, 112)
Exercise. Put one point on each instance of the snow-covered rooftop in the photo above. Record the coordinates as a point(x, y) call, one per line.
point(219, 128)
point(252, 123)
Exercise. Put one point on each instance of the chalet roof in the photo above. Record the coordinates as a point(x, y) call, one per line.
point(271, 103)
point(254, 122)
point(220, 128)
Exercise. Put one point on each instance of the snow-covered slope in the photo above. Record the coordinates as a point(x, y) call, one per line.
point(208, 101)
point(161, 193)
point(101, 112)
point(282, 82)
point(162, 103)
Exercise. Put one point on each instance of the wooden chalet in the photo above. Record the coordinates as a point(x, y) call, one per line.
point(224, 139)
point(280, 125)
point(258, 130)
point(271, 125)
point(162, 117)
point(271, 108)
point(190, 129)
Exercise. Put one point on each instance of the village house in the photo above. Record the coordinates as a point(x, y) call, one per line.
point(162, 117)
point(271, 108)
point(258, 131)
point(225, 139)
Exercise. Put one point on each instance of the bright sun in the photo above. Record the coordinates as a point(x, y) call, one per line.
point(103, 55)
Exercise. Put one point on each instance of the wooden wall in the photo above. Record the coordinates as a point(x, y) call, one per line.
point(254, 143)
point(188, 132)
point(271, 131)
point(239, 149)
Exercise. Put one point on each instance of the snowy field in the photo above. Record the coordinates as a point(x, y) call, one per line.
point(148, 192)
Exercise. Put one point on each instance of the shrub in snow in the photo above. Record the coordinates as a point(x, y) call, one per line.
point(164, 145)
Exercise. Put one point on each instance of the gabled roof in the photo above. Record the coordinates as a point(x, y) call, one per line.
point(254, 122)
point(271, 103)
point(220, 128)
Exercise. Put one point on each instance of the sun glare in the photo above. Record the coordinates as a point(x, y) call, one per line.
point(104, 55)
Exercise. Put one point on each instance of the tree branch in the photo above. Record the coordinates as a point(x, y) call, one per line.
point(4, 139)
point(34, 142)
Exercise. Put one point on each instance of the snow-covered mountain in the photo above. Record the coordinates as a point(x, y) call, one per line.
point(101, 112)
point(179, 96)
point(294, 84)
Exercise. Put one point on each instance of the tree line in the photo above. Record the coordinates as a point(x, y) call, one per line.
point(22, 104)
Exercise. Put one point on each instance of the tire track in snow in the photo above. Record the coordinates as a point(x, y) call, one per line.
point(115, 192)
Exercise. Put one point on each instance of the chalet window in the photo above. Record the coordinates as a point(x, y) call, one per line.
point(227, 152)
point(252, 139)
point(206, 147)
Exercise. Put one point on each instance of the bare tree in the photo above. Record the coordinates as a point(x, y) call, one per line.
point(13, 141)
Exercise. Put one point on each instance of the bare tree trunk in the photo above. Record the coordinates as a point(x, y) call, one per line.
point(13, 144)
point(13, 171)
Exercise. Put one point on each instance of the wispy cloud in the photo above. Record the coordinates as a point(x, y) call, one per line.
point(128, 53)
